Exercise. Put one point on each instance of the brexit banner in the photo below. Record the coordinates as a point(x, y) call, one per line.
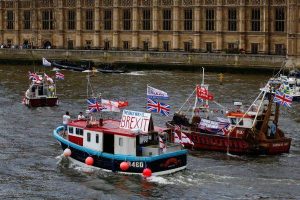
point(134, 120)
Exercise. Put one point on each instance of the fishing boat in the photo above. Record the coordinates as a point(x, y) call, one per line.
point(130, 146)
point(75, 66)
point(289, 84)
point(41, 91)
point(240, 132)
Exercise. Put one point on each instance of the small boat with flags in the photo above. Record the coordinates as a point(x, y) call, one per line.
point(288, 83)
point(254, 131)
point(41, 91)
point(132, 145)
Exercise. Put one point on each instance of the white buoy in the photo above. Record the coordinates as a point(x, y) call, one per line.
point(67, 152)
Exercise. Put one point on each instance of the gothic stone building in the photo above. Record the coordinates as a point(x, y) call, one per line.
point(232, 26)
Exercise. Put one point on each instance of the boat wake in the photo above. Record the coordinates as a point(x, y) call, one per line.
point(137, 73)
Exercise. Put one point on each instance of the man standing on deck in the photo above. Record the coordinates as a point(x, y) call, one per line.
point(66, 120)
point(273, 129)
point(80, 116)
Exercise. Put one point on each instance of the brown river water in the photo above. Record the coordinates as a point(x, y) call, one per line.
point(31, 165)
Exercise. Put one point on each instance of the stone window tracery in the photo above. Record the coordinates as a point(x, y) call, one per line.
point(126, 3)
point(146, 3)
point(210, 2)
point(69, 3)
point(166, 2)
point(88, 3)
point(187, 2)
point(46, 3)
point(107, 3)
point(25, 4)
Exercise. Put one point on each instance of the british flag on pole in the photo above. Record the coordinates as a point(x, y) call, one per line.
point(94, 105)
point(158, 107)
point(283, 99)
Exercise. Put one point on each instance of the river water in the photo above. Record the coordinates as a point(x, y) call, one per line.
point(31, 165)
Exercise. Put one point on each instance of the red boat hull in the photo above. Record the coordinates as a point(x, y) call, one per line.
point(235, 145)
point(40, 102)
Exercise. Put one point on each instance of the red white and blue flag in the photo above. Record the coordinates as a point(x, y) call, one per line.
point(48, 78)
point(162, 108)
point(59, 76)
point(94, 105)
point(283, 99)
point(35, 78)
point(186, 140)
point(154, 93)
point(162, 144)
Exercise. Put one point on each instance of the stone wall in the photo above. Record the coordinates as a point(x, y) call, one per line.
point(142, 57)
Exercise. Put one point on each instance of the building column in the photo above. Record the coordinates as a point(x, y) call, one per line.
point(78, 39)
point(1, 26)
point(219, 29)
point(175, 19)
point(135, 21)
point(155, 21)
point(242, 43)
point(34, 25)
point(58, 38)
point(291, 25)
point(116, 28)
point(17, 25)
point(266, 21)
point(97, 34)
point(196, 23)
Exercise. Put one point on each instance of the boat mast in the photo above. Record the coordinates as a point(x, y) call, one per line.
point(264, 126)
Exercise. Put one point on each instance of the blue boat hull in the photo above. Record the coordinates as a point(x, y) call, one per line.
point(160, 164)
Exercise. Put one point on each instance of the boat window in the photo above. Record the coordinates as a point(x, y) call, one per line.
point(79, 131)
point(241, 122)
point(71, 129)
point(233, 121)
point(97, 138)
point(120, 141)
point(88, 137)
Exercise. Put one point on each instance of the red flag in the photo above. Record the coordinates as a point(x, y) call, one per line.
point(203, 93)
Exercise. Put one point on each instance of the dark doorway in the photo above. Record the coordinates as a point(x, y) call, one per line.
point(108, 143)
point(47, 45)
point(70, 44)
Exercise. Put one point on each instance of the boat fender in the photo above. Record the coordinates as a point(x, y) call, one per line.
point(124, 166)
point(147, 172)
point(89, 161)
point(67, 152)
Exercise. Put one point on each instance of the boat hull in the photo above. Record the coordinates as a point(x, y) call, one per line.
point(236, 145)
point(162, 164)
point(41, 102)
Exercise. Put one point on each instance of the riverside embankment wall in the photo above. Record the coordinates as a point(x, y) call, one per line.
point(153, 60)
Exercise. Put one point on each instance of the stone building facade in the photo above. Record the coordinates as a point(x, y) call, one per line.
point(230, 26)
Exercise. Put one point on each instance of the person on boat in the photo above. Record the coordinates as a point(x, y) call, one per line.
point(80, 116)
point(66, 120)
point(51, 90)
point(273, 128)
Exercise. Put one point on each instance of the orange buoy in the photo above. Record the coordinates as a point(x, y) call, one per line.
point(147, 172)
point(124, 166)
point(89, 160)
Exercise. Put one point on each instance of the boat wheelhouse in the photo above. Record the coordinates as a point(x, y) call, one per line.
point(133, 140)
point(41, 92)
point(239, 133)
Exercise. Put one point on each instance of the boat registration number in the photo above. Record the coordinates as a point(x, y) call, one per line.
point(137, 164)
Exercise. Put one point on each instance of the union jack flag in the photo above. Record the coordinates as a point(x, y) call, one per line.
point(283, 99)
point(153, 106)
point(94, 105)
point(59, 76)
point(34, 77)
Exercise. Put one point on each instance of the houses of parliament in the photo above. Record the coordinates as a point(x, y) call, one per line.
point(269, 27)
